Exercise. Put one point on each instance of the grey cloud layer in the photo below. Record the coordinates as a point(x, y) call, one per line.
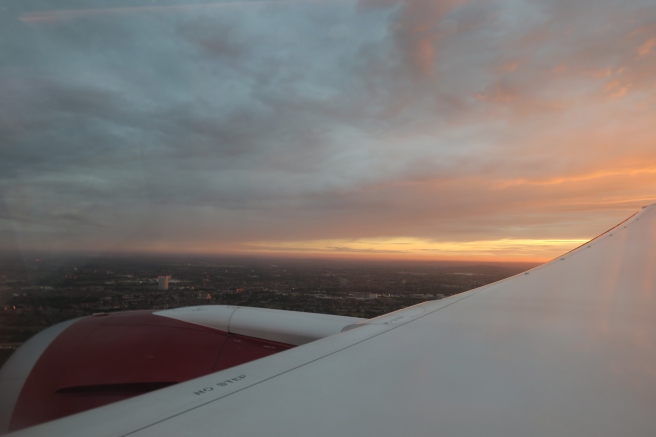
point(299, 120)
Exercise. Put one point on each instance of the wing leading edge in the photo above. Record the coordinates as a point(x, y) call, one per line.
point(568, 348)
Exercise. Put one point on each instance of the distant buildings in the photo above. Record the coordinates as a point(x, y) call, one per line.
point(365, 296)
point(163, 282)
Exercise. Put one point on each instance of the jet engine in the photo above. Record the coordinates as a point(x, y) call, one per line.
point(107, 357)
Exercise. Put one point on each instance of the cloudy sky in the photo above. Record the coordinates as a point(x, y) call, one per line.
point(483, 129)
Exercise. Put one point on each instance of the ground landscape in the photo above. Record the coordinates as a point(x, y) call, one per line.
point(38, 292)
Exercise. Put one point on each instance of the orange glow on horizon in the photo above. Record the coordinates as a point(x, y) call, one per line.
point(391, 249)
point(361, 256)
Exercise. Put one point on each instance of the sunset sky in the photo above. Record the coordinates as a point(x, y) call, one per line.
point(479, 130)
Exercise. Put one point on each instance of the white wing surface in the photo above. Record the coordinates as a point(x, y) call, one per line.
point(568, 348)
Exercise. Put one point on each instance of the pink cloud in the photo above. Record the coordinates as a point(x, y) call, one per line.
point(416, 30)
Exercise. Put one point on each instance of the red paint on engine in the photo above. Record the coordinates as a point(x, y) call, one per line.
point(100, 360)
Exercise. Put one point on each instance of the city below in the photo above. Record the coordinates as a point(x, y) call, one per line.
point(37, 292)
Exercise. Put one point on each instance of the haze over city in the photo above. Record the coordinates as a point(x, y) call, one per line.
point(463, 130)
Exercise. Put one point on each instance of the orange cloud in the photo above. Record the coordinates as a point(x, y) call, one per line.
point(606, 72)
point(417, 32)
point(618, 88)
point(647, 48)
point(578, 178)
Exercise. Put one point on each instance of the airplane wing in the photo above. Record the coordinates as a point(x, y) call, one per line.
point(568, 348)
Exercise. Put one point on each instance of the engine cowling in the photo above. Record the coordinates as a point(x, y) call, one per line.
point(89, 362)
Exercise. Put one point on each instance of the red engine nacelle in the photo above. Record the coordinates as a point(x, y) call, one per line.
point(106, 358)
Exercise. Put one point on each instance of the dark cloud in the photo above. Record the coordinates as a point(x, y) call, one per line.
point(160, 124)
